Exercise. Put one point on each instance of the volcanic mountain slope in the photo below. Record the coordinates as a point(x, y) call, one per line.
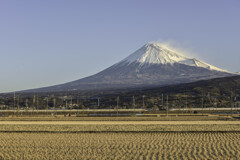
point(151, 65)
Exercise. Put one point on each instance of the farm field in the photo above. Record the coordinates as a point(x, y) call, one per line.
point(118, 126)
point(163, 118)
point(112, 138)
point(101, 146)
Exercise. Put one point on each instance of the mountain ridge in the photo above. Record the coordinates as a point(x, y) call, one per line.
point(151, 65)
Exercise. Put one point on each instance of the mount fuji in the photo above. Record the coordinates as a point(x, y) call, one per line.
point(151, 65)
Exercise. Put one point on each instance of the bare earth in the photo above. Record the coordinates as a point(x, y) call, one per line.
point(107, 146)
point(114, 139)
point(120, 122)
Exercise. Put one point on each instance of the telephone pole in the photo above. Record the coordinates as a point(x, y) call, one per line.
point(234, 103)
point(33, 101)
point(18, 103)
point(202, 105)
point(26, 103)
point(14, 100)
point(231, 104)
point(143, 101)
point(78, 102)
point(66, 104)
point(167, 105)
point(133, 102)
point(186, 102)
point(37, 102)
point(47, 103)
point(54, 105)
point(117, 104)
point(162, 101)
point(215, 103)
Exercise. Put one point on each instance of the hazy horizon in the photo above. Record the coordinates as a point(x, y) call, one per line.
point(44, 43)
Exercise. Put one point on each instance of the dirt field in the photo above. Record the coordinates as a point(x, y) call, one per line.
point(119, 146)
point(169, 118)
point(118, 126)
point(25, 138)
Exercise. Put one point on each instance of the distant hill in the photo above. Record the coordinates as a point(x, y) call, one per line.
point(220, 91)
point(217, 87)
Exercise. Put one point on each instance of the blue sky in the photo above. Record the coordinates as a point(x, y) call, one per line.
point(47, 42)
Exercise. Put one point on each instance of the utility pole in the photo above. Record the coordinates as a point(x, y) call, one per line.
point(238, 105)
point(117, 104)
point(231, 105)
point(98, 102)
point(167, 105)
point(162, 101)
point(14, 100)
point(37, 105)
point(26, 103)
point(133, 102)
point(37, 102)
point(143, 101)
point(186, 102)
point(71, 103)
point(78, 101)
point(47, 103)
point(215, 103)
point(202, 105)
point(18, 103)
point(209, 97)
point(54, 105)
point(234, 103)
point(33, 101)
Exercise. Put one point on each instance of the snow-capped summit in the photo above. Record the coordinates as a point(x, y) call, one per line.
point(151, 65)
point(154, 53)
point(157, 53)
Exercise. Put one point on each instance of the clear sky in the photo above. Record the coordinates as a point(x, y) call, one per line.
point(47, 42)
